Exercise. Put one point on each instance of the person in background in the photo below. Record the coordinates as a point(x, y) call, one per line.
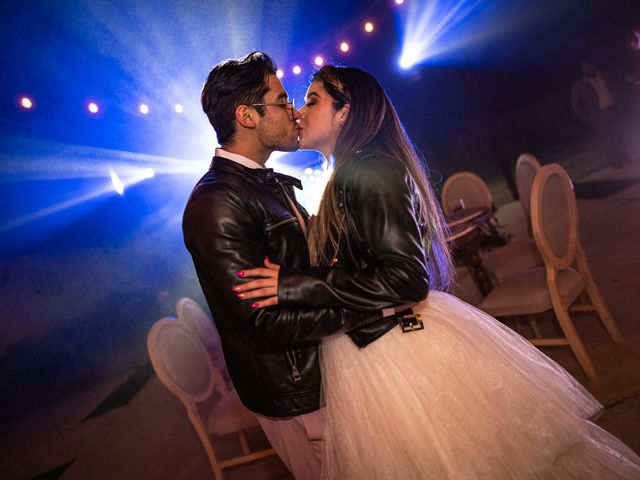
point(594, 104)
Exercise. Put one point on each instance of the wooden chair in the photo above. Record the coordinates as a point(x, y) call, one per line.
point(185, 368)
point(556, 286)
point(527, 167)
point(474, 192)
point(197, 321)
point(469, 188)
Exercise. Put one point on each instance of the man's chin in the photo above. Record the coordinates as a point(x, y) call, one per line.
point(289, 148)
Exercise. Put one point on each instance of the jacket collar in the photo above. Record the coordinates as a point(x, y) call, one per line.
point(263, 175)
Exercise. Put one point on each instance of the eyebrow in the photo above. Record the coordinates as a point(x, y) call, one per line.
point(312, 94)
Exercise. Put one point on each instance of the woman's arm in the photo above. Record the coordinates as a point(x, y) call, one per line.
point(380, 204)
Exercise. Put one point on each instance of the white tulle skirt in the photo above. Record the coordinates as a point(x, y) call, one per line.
point(465, 398)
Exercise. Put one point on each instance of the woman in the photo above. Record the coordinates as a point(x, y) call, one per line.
point(464, 398)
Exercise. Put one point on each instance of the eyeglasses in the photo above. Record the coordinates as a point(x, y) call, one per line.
point(287, 105)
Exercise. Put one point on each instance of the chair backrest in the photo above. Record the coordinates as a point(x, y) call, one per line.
point(466, 186)
point(181, 362)
point(197, 320)
point(554, 216)
point(526, 169)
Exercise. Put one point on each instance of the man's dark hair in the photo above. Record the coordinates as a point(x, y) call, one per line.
point(234, 82)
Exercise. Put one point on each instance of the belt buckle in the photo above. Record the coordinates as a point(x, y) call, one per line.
point(410, 323)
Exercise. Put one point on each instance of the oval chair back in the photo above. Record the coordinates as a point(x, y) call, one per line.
point(466, 186)
point(554, 216)
point(199, 322)
point(181, 362)
point(526, 169)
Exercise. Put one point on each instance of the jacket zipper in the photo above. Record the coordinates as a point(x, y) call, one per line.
point(293, 365)
point(268, 228)
point(285, 198)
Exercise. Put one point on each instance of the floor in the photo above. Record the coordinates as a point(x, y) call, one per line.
point(145, 433)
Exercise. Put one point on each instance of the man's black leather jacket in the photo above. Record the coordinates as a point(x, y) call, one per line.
point(235, 217)
point(381, 256)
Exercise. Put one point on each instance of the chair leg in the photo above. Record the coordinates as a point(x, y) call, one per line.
point(596, 299)
point(203, 435)
point(603, 311)
point(569, 330)
point(534, 326)
point(242, 436)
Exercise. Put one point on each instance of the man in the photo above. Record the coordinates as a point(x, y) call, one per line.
point(594, 105)
point(239, 213)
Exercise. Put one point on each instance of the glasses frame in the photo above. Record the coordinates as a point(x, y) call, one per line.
point(290, 105)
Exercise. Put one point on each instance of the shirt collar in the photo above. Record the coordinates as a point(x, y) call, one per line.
point(241, 159)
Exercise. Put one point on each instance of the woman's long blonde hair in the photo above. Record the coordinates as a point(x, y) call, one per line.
point(373, 126)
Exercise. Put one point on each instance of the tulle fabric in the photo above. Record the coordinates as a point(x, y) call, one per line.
point(465, 398)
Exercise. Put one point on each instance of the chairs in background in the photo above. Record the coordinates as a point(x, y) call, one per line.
point(465, 190)
point(196, 320)
point(527, 168)
point(470, 191)
point(184, 367)
point(556, 286)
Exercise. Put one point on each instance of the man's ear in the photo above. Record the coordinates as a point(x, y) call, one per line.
point(246, 116)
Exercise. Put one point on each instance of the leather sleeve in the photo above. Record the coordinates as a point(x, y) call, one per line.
point(224, 235)
point(380, 206)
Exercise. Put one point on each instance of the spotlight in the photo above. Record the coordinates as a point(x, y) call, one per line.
point(308, 171)
point(279, 73)
point(178, 108)
point(26, 103)
point(344, 46)
point(368, 27)
point(399, 2)
point(297, 70)
point(144, 108)
point(115, 180)
point(93, 107)
point(148, 173)
point(407, 61)
point(319, 61)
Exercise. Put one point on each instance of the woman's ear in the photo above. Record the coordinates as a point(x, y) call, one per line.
point(245, 116)
point(343, 113)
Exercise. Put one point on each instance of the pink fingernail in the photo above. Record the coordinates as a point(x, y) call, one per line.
point(240, 274)
point(241, 295)
point(254, 305)
point(235, 289)
point(268, 259)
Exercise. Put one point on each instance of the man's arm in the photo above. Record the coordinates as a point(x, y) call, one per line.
point(224, 236)
point(381, 207)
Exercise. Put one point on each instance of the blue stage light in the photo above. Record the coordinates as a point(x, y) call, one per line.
point(144, 108)
point(431, 29)
point(178, 108)
point(115, 180)
point(93, 107)
point(148, 173)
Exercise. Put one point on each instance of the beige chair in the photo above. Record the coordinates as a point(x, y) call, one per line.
point(183, 366)
point(519, 254)
point(468, 188)
point(196, 320)
point(526, 169)
point(556, 286)
point(474, 192)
